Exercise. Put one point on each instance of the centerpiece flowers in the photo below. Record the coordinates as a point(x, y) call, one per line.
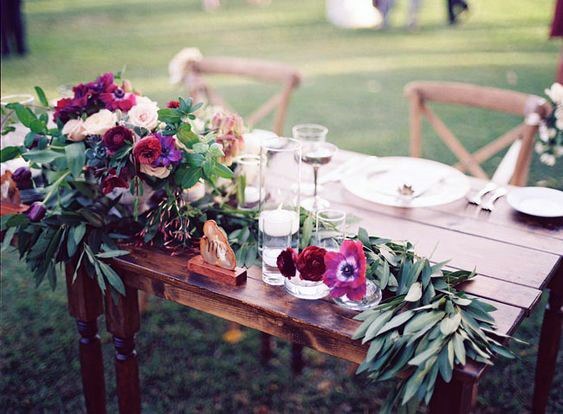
point(113, 166)
point(550, 143)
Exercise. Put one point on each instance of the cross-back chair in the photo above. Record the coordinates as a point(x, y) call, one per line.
point(516, 162)
point(196, 71)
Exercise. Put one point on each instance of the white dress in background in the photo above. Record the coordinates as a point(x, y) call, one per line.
point(352, 14)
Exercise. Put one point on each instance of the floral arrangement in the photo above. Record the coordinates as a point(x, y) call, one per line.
point(550, 143)
point(113, 166)
point(423, 329)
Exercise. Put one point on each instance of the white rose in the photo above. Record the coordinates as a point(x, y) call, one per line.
point(158, 172)
point(555, 93)
point(99, 123)
point(558, 125)
point(74, 130)
point(144, 115)
point(144, 100)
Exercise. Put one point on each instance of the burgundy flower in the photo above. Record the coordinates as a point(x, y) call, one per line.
point(173, 104)
point(36, 212)
point(346, 271)
point(112, 182)
point(102, 84)
point(147, 150)
point(22, 178)
point(286, 262)
point(310, 263)
point(115, 137)
point(67, 108)
point(169, 153)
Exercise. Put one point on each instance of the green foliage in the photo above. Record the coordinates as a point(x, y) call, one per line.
point(425, 328)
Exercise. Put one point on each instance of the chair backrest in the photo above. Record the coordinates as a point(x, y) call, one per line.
point(517, 160)
point(259, 70)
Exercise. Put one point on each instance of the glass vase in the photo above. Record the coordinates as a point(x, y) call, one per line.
point(247, 179)
point(280, 177)
point(369, 301)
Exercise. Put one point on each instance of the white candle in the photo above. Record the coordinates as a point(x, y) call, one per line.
point(253, 140)
point(279, 223)
point(251, 195)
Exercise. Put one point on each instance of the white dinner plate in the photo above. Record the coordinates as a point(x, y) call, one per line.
point(537, 201)
point(434, 183)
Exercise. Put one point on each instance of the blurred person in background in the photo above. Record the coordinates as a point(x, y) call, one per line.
point(12, 27)
point(385, 7)
point(557, 31)
point(455, 9)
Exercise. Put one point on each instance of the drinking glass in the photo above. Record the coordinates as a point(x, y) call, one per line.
point(279, 198)
point(247, 179)
point(330, 228)
point(317, 154)
point(309, 135)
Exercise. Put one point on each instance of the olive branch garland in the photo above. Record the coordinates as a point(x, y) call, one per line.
point(425, 327)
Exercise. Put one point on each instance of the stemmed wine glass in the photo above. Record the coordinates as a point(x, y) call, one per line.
point(316, 152)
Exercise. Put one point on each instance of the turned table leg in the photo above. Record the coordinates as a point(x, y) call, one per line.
point(455, 397)
point(123, 322)
point(85, 304)
point(549, 342)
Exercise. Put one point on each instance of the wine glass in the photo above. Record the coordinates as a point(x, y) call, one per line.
point(317, 154)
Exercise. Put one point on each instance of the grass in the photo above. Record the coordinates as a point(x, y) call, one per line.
point(353, 83)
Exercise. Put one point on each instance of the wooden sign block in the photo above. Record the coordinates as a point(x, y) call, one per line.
point(234, 277)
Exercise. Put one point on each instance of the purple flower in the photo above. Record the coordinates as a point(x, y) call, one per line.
point(22, 178)
point(36, 212)
point(346, 271)
point(169, 153)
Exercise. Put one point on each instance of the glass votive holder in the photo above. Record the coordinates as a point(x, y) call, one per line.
point(247, 180)
point(330, 228)
point(280, 166)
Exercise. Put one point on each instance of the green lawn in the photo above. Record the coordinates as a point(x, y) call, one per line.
point(353, 83)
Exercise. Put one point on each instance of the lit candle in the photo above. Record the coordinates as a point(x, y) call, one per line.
point(279, 223)
point(251, 195)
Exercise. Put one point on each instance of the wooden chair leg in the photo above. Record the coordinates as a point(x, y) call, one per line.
point(297, 358)
point(85, 304)
point(549, 342)
point(455, 397)
point(123, 322)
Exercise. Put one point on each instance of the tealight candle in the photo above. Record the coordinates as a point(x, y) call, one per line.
point(278, 223)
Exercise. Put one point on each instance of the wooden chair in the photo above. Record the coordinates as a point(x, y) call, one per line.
point(516, 162)
point(195, 73)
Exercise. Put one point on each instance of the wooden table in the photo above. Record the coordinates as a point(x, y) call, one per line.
point(516, 258)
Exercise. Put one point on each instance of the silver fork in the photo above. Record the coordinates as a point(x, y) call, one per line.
point(489, 205)
point(478, 198)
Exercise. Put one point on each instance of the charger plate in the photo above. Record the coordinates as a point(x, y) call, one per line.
point(433, 183)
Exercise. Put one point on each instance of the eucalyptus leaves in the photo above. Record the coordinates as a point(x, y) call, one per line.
point(425, 328)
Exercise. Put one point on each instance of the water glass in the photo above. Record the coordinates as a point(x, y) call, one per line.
point(330, 228)
point(279, 198)
point(247, 180)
